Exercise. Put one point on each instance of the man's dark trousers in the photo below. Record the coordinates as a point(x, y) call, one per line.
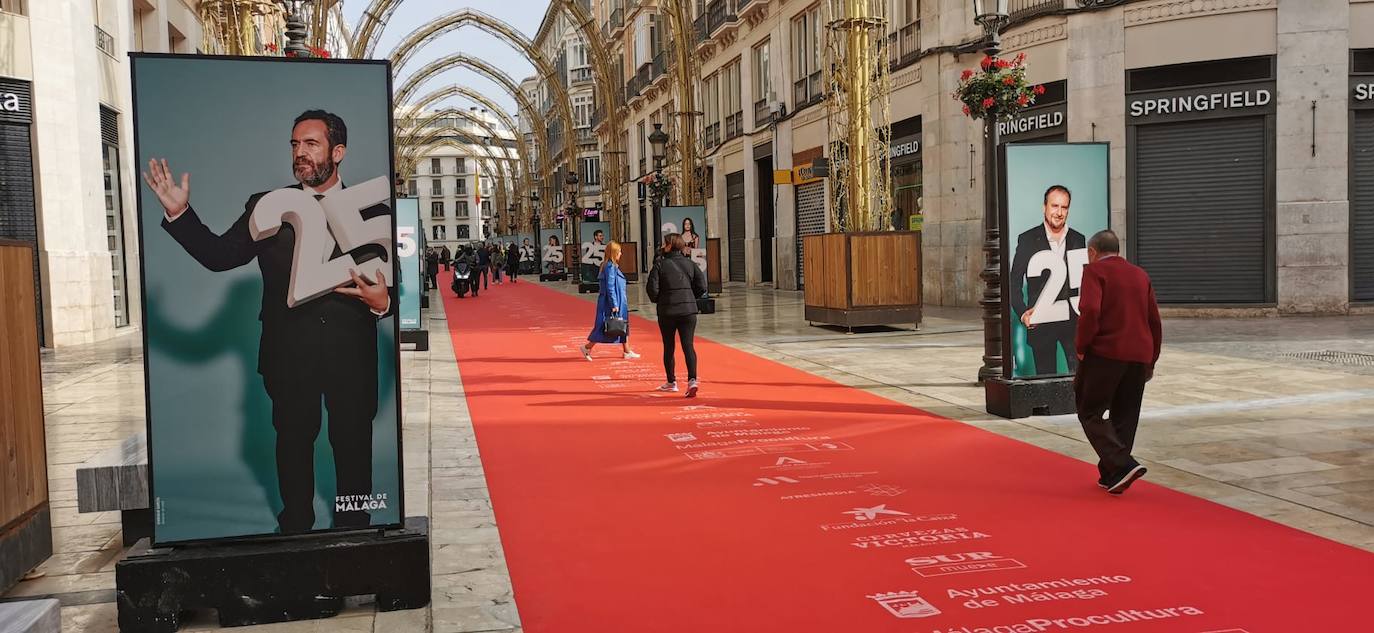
point(1103, 384)
point(341, 374)
point(1046, 339)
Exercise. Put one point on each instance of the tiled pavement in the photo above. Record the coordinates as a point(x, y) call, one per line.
point(1230, 417)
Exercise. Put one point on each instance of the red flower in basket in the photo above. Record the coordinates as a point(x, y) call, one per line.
point(1021, 57)
point(1040, 89)
point(989, 102)
point(1002, 63)
point(1009, 80)
point(986, 63)
point(966, 74)
point(1022, 100)
point(967, 111)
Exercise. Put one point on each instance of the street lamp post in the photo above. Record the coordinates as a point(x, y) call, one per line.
point(658, 144)
point(570, 210)
point(992, 16)
point(295, 29)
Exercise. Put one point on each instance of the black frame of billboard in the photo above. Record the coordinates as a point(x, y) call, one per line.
point(1004, 249)
point(395, 320)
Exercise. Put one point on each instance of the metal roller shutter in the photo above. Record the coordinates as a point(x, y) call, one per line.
point(810, 219)
point(734, 211)
point(1362, 206)
point(18, 213)
point(1201, 210)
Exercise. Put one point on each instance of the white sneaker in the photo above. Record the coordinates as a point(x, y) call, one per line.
point(586, 353)
point(692, 388)
point(668, 386)
point(631, 355)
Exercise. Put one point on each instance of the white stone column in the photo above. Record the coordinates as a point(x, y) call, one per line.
point(1313, 207)
point(1097, 96)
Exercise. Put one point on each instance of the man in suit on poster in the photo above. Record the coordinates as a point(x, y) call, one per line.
point(1118, 342)
point(1046, 338)
point(322, 349)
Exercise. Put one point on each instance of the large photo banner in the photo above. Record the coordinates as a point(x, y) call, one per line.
point(690, 222)
point(529, 253)
point(408, 244)
point(595, 236)
point(1055, 196)
point(551, 252)
point(269, 261)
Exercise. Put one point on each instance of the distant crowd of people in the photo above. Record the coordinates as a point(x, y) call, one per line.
point(485, 263)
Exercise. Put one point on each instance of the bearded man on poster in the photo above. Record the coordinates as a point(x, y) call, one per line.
point(1046, 338)
point(324, 349)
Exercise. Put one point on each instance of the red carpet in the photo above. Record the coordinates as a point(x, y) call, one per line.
point(783, 502)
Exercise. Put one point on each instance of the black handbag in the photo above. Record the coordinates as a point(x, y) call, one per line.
point(615, 326)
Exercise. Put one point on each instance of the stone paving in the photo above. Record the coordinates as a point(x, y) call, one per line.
point(1232, 416)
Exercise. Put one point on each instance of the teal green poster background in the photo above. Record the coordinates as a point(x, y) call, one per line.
point(551, 252)
point(593, 251)
point(408, 244)
point(228, 122)
point(1031, 169)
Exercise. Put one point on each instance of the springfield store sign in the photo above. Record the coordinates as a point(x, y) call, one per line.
point(1208, 100)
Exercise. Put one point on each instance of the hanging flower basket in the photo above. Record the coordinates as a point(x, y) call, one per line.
point(658, 187)
point(998, 90)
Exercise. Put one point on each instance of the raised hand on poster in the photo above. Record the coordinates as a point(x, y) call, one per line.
point(175, 199)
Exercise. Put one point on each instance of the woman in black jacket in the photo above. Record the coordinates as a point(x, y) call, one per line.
point(674, 284)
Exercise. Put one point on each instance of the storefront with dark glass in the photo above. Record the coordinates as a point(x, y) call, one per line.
point(1045, 122)
point(1362, 176)
point(18, 207)
point(905, 154)
point(1200, 174)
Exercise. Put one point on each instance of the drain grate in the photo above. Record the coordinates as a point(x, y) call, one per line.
point(1349, 359)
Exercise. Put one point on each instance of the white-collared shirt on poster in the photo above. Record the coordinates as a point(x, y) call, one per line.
point(1057, 245)
point(338, 184)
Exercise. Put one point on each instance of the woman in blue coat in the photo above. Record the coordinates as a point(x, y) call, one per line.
point(612, 301)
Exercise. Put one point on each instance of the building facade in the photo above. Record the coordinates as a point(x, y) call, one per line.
point(66, 151)
point(456, 179)
point(560, 42)
point(1238, 131)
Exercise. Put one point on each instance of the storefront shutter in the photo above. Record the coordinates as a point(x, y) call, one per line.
point(1362, 203)
point(1200, 216)
point(18, 215)
point(734, 210)
point(810, 219)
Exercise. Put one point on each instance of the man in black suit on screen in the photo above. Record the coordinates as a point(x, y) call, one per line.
point(1054, 235)
point(320, 350)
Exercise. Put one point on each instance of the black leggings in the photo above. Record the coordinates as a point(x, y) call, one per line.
point(685, 327)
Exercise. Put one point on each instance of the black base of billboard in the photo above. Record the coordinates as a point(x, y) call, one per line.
point(419, 337)
point(281, 580)
point(557, 277)
point(1025, 398)
point(586, 287)
point(424, 301)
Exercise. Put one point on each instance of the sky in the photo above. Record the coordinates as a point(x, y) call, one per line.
point(524, 15)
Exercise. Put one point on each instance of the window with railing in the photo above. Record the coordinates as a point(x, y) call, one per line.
point(436, 187)
point(806, 66)
point(589, 170)
point(1023, 9)
point(104, 41)
point(461, 186)
point(460, 165)
point(581, 75)
point(710, 107)
point(461, 210)
point(464, 232)
point(435, 167)
point(731, 100)
point(436, 210)
point(763, 84)
point(486, 208)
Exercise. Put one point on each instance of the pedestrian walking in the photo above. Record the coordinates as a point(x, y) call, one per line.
point(498, 263)
point(1118, 340)
point(674, 285)
point(513, 261)
point(431, 269)
point(483, 258)
point(612, 301)
point(445, 257)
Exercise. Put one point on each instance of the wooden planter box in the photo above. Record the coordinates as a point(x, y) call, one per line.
point(860, 279)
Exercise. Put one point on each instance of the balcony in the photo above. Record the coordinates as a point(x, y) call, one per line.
point(581, 75)
point(719, 14)
point(616, 23)
point(734, 126)
point(644, 75)
point(712, 137)
point(586, 136)
point(699, 27)
point(104, 41)
point(436, 214)
point(436, 193)
point(745, 7)
point(807, 91)
point(1027, 9)
point(660, 65)
point(910, 43)
point(762, 115)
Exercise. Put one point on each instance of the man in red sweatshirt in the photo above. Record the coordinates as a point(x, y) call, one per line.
point(1118, 340)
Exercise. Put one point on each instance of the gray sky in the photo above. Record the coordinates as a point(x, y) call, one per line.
point(524, 15)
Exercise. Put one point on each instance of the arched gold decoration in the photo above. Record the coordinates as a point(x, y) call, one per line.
point(612, 96)
point(417, 125)
point(495, 165)
point(857, 103)
point(684, 157)
point(242, 27)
